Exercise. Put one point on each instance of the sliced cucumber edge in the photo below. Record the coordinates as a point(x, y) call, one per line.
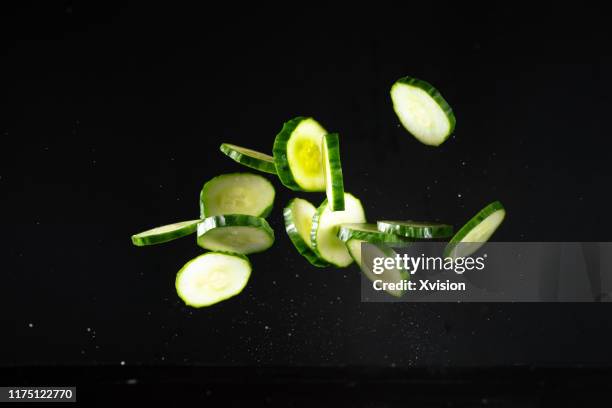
point(146, 238)
point(473, 223)
point(298, 242)
point(234, 220)
point(245, 159)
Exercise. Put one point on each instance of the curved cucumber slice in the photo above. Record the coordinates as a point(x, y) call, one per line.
point(334, 183)
point(165, 233)
point(389, 276)
point(298, 155)
point(250, 158)
point(211, 278)
point(298, 223)
point(325, 226)
point(368, 233)
point(237, 193)
point(415, 229)
point(354, 247)
point(422, 110)
point(476, 231)
point(243, 234)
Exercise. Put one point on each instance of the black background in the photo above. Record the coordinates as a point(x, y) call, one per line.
point(111, 121)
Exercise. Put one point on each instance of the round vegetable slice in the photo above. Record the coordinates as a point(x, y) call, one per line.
point(325, 226)
point(250, 158)
point(415, 229)
point(393, 276)
point(243, 234)
point(165, 233)
point(369, 233)
point(298, 223)
point(476, 231)
point(354, 247)
point(422, 110)
point(211, 278)
point(298, 155)
point(237, 193)
point(334, 183)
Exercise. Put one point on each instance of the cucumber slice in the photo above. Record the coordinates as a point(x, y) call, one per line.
point(354, 247)
point(325, 226)
point(250, 158)
point(165, 233)
point(334, 183)
point(415, 229)
point(298, 155)
point(298, 223)
point(368, 233)
point(476, 231)
point(237, 193)
point(243, 234)
point(211, 278)
point(422, 110)
point(395, 275)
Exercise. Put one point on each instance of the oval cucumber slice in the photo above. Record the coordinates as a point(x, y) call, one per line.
point(250, 158)
point(325, 226)
point(393, 276)
point(298, 155)
point(476, 231)
point(354, 247)
point(237, 193)
point(298, 223)
point(415, 229)
point(165, 233)
point(334, 183)
point(369, 233)
point(211, 278)
point(422, 110)
point(243, 234)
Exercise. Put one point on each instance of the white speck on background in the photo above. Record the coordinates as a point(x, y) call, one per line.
point(122, 363)
point(459, 195)
point(30, 325)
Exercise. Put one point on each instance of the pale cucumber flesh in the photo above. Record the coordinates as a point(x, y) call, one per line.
point(239, 193)
point(325, 228)
point(211, 278)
